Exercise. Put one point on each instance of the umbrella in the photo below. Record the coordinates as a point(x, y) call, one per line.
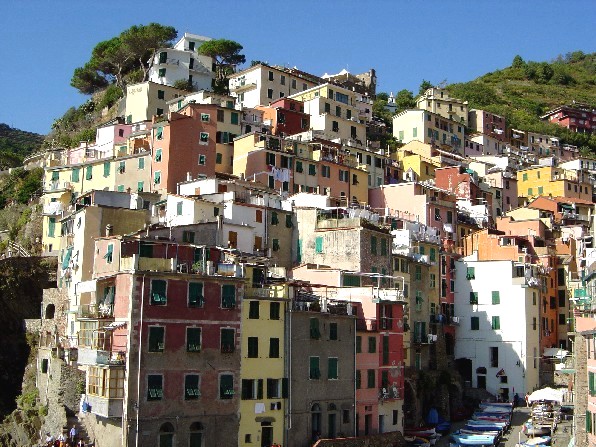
point(546, 394)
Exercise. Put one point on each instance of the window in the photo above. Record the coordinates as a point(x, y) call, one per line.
point(358, 344)
point(158, 292)
point(157, 177)
point(332, 331)
point(418, 273)
point(433, 280)
point(275, 388)
point(496, 323)
point(158, 155)
point(289, 223)
point(159, 112)
point(433, 255)
point(193, 339)
point(154, 387)
point(253, 312)
point(274, 348)
point(370, 376)
point(332, 373)
point(226, 386)
point(228, 296)
point(156, 338)
point(234, 118)
point(314, 371)
point(299, 166)
point(204, 138)
point(319, 244)
point(253, 347)
point(315, 333)
point(191, 387)
point(335, 126)
point(141, 163)
point(494, 357)
point(109, 254)
point(220, 115)
point(270, 93)
point(227, 342)
point(326, 172)
point(161, 94)
point(312, 170)
point(372, 345)
point(474, 323)
point(562, 319)
point(75, 175)
point(274, 309)
point(496, 297)
point(473, 297)
point(161, 72)
point(373, 245)
point(89, 173)
point(271, 76)
point(179, 206)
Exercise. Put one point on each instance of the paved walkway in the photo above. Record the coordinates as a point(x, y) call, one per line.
point(520, 415)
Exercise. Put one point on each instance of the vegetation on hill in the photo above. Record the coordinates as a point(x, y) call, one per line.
point(526, 90)
point(15, 145)
point(226, 57)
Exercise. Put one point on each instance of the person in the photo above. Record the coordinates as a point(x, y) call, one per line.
point(527, 399)
point(61, 440)
point(49, 439)
point(81, 443)
point(515, 400)
point(73, 435)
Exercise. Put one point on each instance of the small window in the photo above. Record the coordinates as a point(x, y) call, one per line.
point(156, 338)
point(158, 155)
point(161, 94)
point(195, 294)
point(154, 387)
point(226, 386)
point(228, 296)
point(274, 348)
point(332, 366)
point(191, 387)
point(274, 310)
point(496, 323)
point(202, 159)
point(496, 297)
point(158, 292)
point(314, 370)
point(372, 345)
point(228, 340)
point(205, 117)
point(253, 347)
point(473, 297)
point(204, 138)
point(193, 339)
point(474, 323)
point(319, 244)
point(253, 312)
point(332, 331)
point(179, 207)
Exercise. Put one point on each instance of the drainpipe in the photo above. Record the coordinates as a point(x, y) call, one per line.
point(288, 365)
point(138, 405)
point(355, 407)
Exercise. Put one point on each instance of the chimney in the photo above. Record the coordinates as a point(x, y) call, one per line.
point(109, 230)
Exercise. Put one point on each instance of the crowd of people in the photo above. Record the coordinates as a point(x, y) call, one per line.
point(62, 440)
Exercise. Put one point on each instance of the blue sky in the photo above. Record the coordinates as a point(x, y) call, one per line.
point(405, 41)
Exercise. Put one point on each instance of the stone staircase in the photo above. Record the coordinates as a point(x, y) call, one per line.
point(81, 430)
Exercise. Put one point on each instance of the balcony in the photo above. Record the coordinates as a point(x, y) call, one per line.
point(265, 292)
point(53, 208)
point(391, 295)
point(104, 406)
point(140, 263)
point(389, 393)
point(55, 186)
point(95, 311)
point(368, 325)
point(243, 87)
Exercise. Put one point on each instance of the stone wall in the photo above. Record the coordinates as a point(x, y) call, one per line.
point(580, 391)
point(102, 432)
point(392, 439)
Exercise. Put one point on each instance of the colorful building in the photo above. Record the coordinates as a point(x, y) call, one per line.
point(553, 182)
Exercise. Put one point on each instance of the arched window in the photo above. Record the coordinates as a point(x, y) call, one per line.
point(196, 434)
point(166, 435)
point(50, 310)
point(316, 421)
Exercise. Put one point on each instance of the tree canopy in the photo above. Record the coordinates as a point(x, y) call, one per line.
point(122, 59)
point(226, 57)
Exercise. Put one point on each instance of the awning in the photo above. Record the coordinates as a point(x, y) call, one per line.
point(115, 325)
point(546, 394)
point(555, 352)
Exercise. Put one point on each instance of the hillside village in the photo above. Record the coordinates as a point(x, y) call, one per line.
point(255, 269)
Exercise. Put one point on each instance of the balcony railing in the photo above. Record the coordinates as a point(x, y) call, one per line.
point(53, 208)
point(389, 393)
point(95, 311)
point(56, 185)
point(366, 325)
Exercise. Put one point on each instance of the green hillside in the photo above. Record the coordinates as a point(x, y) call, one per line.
point(16, 144)
point(525, 90)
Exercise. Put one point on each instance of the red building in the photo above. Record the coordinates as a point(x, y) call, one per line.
point(175, 336)
point(287, 116)
point(576, 117)
point(184, 145)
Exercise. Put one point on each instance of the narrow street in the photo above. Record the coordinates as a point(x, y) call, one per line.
point(520, 415)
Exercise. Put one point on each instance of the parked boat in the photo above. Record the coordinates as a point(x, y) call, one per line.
point(465, 431)
point(458, 440)
point(417, 441)
point(487, 427)
point(420, 431)
point(535, 430)
point(502, 425)
point(542, 440)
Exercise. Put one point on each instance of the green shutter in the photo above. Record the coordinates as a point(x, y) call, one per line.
point(140, 186)
point(191, 387)
point(358, 380)
point(314, 372)
point(274, 218)
point(319, 244)
point(142, 163)
point(496, 297)
point(289, 223)
point(373, 245)
point(474, 323)
point(51, 226)
point(358, 344)
point(89, 173)
point(55, 176)
point(226, 386)
point(106, 169)
point(76, 172)
point(156, 339)
point(179, 208)
point(193, 339)
point(315, 333)
point(227, 340)
point(385, 340)
point(473, 297)
point(299, 251)
point(332, 368)
point(470, 274)
point(496, 323)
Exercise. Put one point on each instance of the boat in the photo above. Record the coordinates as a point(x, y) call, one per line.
point(487, 427)
point(535, 430)
point(443, 427)
point(542, 440)
point(497, 404)
point(502, 425)
point(417, 441)
point(460, 439)
point(495, 409)
point(465, 431)
point(420, 431)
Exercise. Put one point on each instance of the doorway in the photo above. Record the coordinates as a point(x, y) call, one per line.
point(381, 423)
point(367, 424)
point(266, 436)
point(332, 426)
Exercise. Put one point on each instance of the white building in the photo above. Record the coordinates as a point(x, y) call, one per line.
point(183, 62)
point(496, 303)
point(262, 84)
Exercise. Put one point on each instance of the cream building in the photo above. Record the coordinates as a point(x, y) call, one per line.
point(437, 100)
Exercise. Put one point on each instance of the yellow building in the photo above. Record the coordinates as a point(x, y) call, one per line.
point(553, 182)
point(264, 385)
point(437, 100)
point(430, 128)
point(333, 111)
point(147, 99)
point(418, 161)
point(129, 170)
